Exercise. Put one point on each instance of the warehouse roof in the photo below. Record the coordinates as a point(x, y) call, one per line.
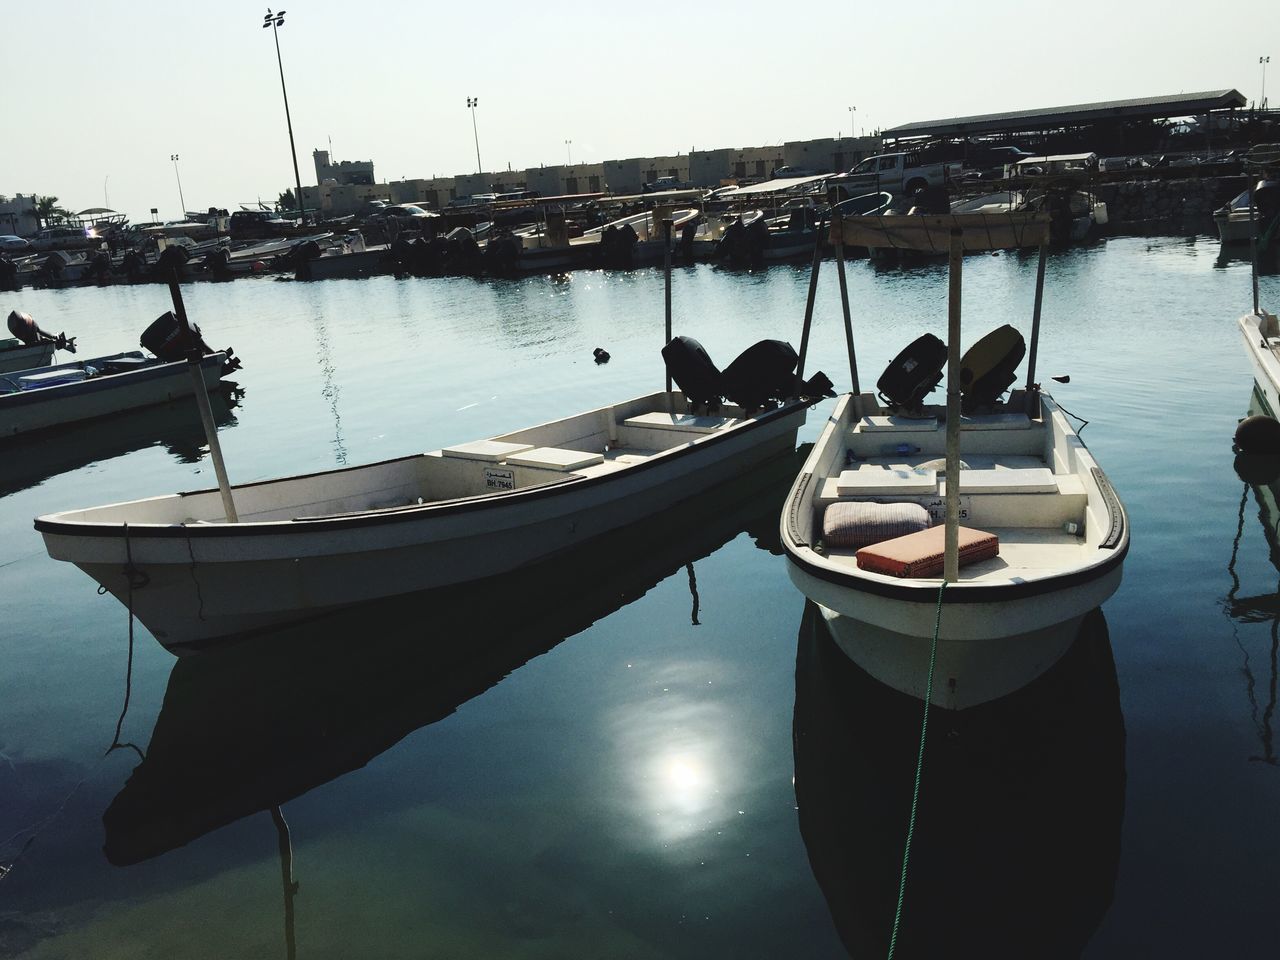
point(1175, 105)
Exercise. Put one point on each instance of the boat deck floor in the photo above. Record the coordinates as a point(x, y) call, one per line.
point(1026, 553)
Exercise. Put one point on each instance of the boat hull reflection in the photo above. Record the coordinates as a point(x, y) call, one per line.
point(1017, 832)
point(247, 727)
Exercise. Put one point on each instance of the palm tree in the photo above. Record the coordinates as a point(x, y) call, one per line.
point(47, 209)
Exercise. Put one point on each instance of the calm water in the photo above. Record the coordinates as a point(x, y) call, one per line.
point(651, 750)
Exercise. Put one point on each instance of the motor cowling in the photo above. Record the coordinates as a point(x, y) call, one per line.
point(693, 371)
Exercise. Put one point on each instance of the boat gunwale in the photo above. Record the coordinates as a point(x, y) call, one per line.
point(49, 524)
point(90, 385)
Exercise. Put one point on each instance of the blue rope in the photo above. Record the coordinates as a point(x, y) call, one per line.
point(915, 792)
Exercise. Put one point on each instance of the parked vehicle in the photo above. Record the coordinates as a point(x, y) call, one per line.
point(11, 243)
point(63, 238)
point(897, 173)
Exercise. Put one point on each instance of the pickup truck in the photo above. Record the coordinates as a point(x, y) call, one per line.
point(897, 173)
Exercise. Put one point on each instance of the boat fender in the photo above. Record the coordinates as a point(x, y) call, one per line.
point(1257, 435)
point(693, 371)
point(1257, 468)
point(601, 355)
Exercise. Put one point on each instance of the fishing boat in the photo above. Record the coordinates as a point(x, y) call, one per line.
point(282, 692)
point(872, 529)
point(16, 355)
point(202, 566)
point(42, 398)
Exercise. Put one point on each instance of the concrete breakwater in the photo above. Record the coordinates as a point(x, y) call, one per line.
point(1177, 207)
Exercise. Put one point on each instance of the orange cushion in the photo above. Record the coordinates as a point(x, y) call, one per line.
point(920, 554)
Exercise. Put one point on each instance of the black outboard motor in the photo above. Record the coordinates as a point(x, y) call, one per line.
point(989, 367)
point(693, 372)
point(8, 274)
point(302, 255)
point(172, 261)
point(913, 374)
point(763, 375)
point(165, 339)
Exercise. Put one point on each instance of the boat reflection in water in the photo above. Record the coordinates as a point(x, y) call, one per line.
point(247, 727)
point(29, 461)
point(1017, 832)
point(1261, 477)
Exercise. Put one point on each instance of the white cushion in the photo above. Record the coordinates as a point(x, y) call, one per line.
point(894, 423)
point(678, 421)
point(999, 480)
point(869, 480)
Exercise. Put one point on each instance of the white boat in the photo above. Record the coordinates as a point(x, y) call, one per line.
point(1261, 333)
point(305, 545)
point(1236, 221)
point(345, 257)
point(1025, 477)
point(16, 355)
point(54, 396)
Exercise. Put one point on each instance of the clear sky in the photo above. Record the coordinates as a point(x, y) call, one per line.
point(99, 95)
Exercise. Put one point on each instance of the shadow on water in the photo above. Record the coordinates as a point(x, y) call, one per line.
point(246, 728)
point(1017, 834)
point(30, 461)
point(1261, 475)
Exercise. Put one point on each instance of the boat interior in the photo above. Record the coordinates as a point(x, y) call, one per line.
point(591, 444)
point(1027, 479)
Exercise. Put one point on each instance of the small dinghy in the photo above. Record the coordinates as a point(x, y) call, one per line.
point(996, 497)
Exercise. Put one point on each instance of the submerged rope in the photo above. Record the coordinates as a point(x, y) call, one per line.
point(915, 791)
point(135, 579)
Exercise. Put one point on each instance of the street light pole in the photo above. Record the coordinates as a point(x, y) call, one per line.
point(472, 103)
point(174, 158)
point(853, 130)
point(275, 22)
point(568, 145)
point(1262, 103)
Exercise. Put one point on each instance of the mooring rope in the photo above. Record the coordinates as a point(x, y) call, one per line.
point(915, 792)
point(135, 579)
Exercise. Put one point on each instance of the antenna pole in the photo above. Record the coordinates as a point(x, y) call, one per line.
point(951, 556)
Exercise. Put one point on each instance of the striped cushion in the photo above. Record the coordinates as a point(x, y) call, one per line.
point(857, 524)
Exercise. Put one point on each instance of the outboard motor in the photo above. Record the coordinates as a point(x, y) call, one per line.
point(730, 240)
point(685, 246)
point(165, 339)
point(171, 262)
point(989, 367)
point(764, 375)
point(24, 327)
point(693, 372)
point(913, 373)
point(133, 264)
point(8, 274)
point(302, 255)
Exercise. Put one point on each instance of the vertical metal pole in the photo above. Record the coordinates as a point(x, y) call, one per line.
point(1253, 247)
point(194, 360)
point(1033, 400)
point(808, 307)
point(951, 556)
point(302, 210)
point(837, 234)
point(666, 273)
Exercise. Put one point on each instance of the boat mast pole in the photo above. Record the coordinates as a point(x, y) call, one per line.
point(951, 555)
point(808, 307)
point(1033, 399)
point(666, 272)
point(837, 237)
point(194, 361)
point(1253, 247)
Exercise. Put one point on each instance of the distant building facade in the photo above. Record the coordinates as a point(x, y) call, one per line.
point(18, 215)
point(353, 172)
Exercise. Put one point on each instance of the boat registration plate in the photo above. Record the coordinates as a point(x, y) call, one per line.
point(496, 479)
point(937, 508)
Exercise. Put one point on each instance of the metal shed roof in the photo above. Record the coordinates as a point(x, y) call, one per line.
point(1174, 105)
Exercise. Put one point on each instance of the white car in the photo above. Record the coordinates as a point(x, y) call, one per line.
point(11, 243)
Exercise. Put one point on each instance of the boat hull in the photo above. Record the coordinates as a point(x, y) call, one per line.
point(1264, 363)
point(24, 358)
point(31, 411)
point(195, 586)
point(986, 650)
